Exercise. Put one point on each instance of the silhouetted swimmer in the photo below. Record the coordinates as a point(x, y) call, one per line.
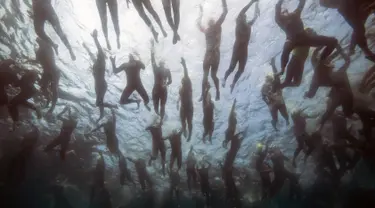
point(68, 126)
point(208, 114)
point(172, 5)
point(213, 41)
point(176, 154)
point(125, 174)
point(113, 9)
point(263, 169)
point(186, 99)
point(18, 164)
point(51, 72)
point(272, 95)
point(162, 79)
point(341, 93)
point(292, 25)
point(143, 176)
point(355, 13)
point(99, 172)
point(158, 144)
point(205, 183)
point(98, 70)
point(191, 171)
point(236, 142)
point(281, 173)
point(7, 77)
point(42, 12)
point(232, 123)
point(26, 84)
point(133, 81)
point(243, 33)
point(302, 137)
point(323, 71)
point(110, 132)
point(296, 65)
point(139, 4)
point(174, 177)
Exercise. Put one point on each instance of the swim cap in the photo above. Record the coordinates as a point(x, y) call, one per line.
point(269, 77)
point(259, 147)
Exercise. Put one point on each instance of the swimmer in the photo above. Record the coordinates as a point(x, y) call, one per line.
point(51, 72)
point(139, 4)
point(191, 171)
point(132, 70)
point(26, 84)
point(187, 108)
point(296, 65)
point(176, 154)
point(292, 25)
point(232, 123)
point(42, 12)
point(174, 22)
point(143, 176)
point(158, 144)
point(355, 13)
point(162, 79)
point(98, 70)
point(273, 97)
point(110, 132)
point(213, 41)
point(66, 133)
point(235, 146)
point(208, 114)
point(113, 9)
point(243, 33)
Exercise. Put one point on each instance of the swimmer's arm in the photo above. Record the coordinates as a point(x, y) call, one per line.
point(233, 107)
point(169, 76)
point(113, 116)
point(199, 20)
point(221, 19)
point(141, 65)
point(244, 10)
point(153, 61)
point(278, 16)
point(114, 68)
point(183, 63)
point(98, 46)
point(300, 7)
point(256, 15)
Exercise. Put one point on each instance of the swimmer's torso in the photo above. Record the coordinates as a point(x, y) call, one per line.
point(132, 70)
point(213, 39)
point(243, 32)
point(99, 67)
point(46, 57)
point(185, 93)
point(161, 77)
point(292, 25)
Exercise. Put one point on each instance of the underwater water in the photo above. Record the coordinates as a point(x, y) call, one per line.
point(80, 17)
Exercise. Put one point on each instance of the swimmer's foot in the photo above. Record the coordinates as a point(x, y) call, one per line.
point(118, 43)
point(217, 96)
point(223, 83)
point(164, 33)
point(108, 45)
point(176, 38)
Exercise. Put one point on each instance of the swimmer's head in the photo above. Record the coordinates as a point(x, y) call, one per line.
point(131, 57)
point(211, 22)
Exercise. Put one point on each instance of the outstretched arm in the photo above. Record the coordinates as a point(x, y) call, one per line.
point(153, 62)
point(256, 14)
point(221, 19)
point(115, 69)
point(278, 15)
point(299, 8)
point(273, 65)
point(199, 20)
point(186, 74)
point(244, 10)
point(98, 46)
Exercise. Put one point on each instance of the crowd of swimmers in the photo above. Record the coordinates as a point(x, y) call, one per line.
point(299, 40)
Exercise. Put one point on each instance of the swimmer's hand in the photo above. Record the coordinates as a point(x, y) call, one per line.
point(127, 3)
point(94, 34)
point(183, 61)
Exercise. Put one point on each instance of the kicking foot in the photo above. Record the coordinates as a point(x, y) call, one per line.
point(176, 38)
point(72, 55)
point(217, 96)
point(109, 45)
point(155, 34)
point(164, 33)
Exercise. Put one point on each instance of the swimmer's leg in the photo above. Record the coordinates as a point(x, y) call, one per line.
point(332, 104)
point(102, 9)
point(183, 118)
point(39, 30)
point(360, 38)
point(113, 9)
point(55, 91)
point(206, 70)
point(100, 90)
point(176, 16)
point(138, 6)
point(314, 86)
point(148, 6)
point(163, 101)
point(162, 154)
point(284, 113)
point(292, 72)
point(189, 119)
point(241, 68)
point(287, 49)
point(155, 100)
point(179, 160)
point(171, 160)
point(142, 92)
point(54, 20)
point(154, 153)
point(126, 94)
point(167, 10)
point(214, 69)
point(232, 65)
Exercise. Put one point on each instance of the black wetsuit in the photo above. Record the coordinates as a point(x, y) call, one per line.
point(158, 145)
point(113, 9)
point(63, 138)
point(124, 171)
point(133, 81)
point(294, 29)
point(212, 55)
point(43, 11)
point(51, 72)
point(191, 171)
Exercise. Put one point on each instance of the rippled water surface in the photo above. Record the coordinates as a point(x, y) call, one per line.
point(80, 17)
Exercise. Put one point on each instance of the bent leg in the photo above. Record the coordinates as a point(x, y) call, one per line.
point(284, 112)
point(287, 49)
point(142, 92)
point(330, 44)
point(241, 67)
point(167, 9)
point(155, 100)
point(214, 69)
point(138, 6)
point(126, 94)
